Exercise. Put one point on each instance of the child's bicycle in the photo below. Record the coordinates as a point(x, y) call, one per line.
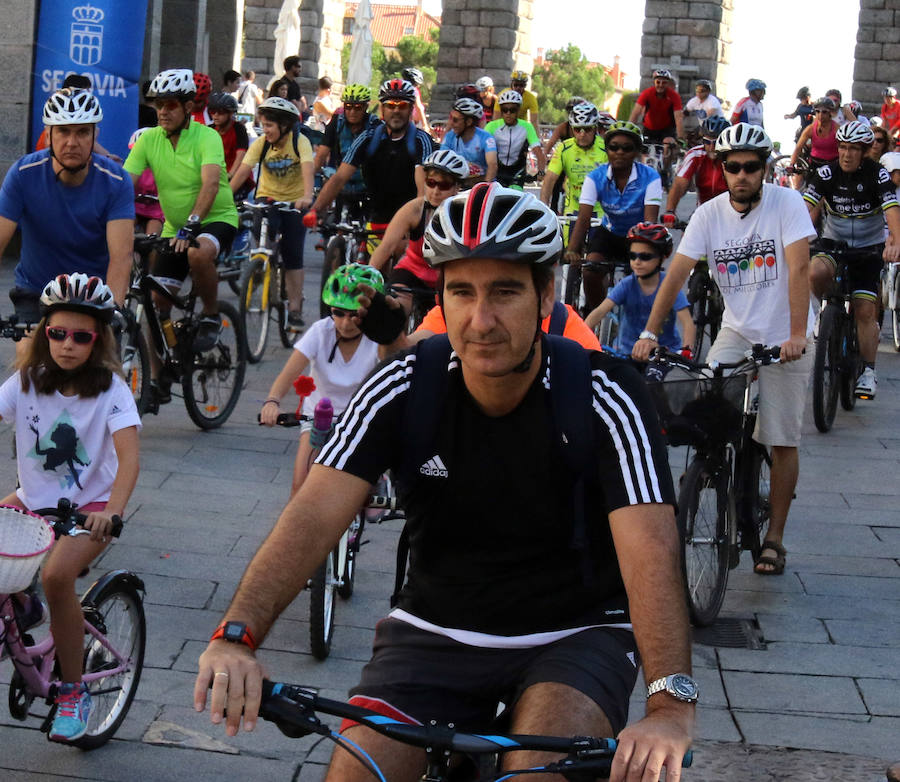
point(295, 710)
point(114, 627)
point(211, 381)
point(336, 575)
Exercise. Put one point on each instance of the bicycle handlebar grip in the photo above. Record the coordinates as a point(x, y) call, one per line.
point(310, 219)
point(117, 525)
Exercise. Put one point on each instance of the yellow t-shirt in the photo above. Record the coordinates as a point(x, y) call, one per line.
point(529, 104)
point(281, 173)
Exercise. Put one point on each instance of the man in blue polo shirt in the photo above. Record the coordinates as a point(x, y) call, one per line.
point(75, 208)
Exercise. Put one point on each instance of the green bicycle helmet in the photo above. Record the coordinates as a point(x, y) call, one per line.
point(623, 127)
point(356, 93)
point(340, 287)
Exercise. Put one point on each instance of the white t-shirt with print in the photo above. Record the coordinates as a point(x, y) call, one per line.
point(701, 109)
point(64, 443)
point(337, 379)
point(746, 259)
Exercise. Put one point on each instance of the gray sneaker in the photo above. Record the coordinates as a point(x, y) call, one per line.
point(866, 384)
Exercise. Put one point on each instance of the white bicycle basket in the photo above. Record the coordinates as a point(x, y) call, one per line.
point(25, 539)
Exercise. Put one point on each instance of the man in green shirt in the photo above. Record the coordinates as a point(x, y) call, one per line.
point(575, 158)
point(188, 163)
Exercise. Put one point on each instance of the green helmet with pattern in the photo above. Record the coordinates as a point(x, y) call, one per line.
point(341, 287)
point(623, 127)
point(356, 93)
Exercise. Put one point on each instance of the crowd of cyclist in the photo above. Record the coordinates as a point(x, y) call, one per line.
point(426, 201)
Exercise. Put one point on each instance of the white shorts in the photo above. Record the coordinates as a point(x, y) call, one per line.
point(782, 389)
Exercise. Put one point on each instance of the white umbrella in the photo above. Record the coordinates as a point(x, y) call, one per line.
point(360, 69)
point(287, 34)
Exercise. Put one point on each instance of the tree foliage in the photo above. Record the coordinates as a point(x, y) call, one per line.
point(412, 52)
point(565, 73)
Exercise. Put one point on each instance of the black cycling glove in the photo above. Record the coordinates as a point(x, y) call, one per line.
point(382, 324)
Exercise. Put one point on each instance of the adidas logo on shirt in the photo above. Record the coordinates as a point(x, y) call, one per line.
point(434, 467)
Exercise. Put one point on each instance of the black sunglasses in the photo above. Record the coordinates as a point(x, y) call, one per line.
point(337, 312)
point(79, 336)
point(620, 148)
point(749, 166)
point(643, 256)
point(509, 110)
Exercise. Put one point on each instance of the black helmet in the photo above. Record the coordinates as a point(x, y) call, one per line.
point(222, 101)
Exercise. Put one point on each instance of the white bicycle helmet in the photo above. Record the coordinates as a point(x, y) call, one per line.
point(174, 83)
point(71, 106)
point(135, 136)
point(744, 137)
point(79, 293)
point(484, 83)
point(855, 132)
point(449, 162)
point(584, 115)
point(889, 92)
point(875, 121)
point(469, 108)
point(413, 75)
point(492, 221)
point(891, 161)
point(509, 96)
point(663, 73)
point(281, 106)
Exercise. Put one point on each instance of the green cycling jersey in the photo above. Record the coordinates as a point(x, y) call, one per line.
point(575, 163)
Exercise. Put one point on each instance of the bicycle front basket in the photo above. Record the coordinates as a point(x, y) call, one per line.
point(25, 539)
point(695, 409)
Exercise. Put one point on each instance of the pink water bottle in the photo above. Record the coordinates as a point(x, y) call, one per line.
point(322, 418)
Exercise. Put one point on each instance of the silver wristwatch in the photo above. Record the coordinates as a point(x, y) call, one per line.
point(678, 685)
point(648, 335)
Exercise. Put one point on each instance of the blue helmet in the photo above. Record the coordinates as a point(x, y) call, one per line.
point(755, 84)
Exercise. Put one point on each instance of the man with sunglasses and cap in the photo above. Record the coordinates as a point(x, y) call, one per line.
point(629, 192)
point(756, 240)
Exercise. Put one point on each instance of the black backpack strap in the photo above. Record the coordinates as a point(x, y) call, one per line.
point(424, 406)
point(558, 319)
point(571, 396)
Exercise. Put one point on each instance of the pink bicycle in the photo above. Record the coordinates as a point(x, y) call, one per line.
point(114, 626)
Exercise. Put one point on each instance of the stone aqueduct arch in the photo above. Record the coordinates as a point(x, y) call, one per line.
point(479, 37)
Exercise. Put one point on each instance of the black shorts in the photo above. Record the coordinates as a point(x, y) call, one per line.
point(416, 675)
point(659, 136)
point(174, 266)
point(612, 247)
point(27, 305)
point(863, 271)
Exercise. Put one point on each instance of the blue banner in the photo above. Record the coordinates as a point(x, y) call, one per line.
point(103, 40)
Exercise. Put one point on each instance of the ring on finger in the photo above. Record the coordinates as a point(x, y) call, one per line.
point(221, 673)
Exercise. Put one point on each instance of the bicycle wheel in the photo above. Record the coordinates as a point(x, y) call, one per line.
point(703, 522)
point(334, 257)
point(115, 609)
point(212, 381)
point(756, 510)
point(322, 589)
point(354, 539)
point(136, 366)
point(850, 362)
point(255, 292)
point(280, 308)
point(572, 292)
point(895, 313)
point(826, 369)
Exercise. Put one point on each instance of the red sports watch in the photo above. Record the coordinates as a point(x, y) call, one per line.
point(236, 632)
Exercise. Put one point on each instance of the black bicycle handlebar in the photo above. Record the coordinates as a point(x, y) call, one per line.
point(287, 419)
point(68, 519)
point(293, 709)
point(758, 354)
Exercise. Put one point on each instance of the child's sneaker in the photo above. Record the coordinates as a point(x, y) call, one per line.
point(73, 708)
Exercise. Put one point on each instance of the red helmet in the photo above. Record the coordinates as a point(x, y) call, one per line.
point(204, 87)
point(653, 234)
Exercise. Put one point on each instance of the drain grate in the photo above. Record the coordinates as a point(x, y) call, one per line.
point(731, 633)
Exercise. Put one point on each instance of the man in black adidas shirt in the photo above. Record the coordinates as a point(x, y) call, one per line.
point(516, 589)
